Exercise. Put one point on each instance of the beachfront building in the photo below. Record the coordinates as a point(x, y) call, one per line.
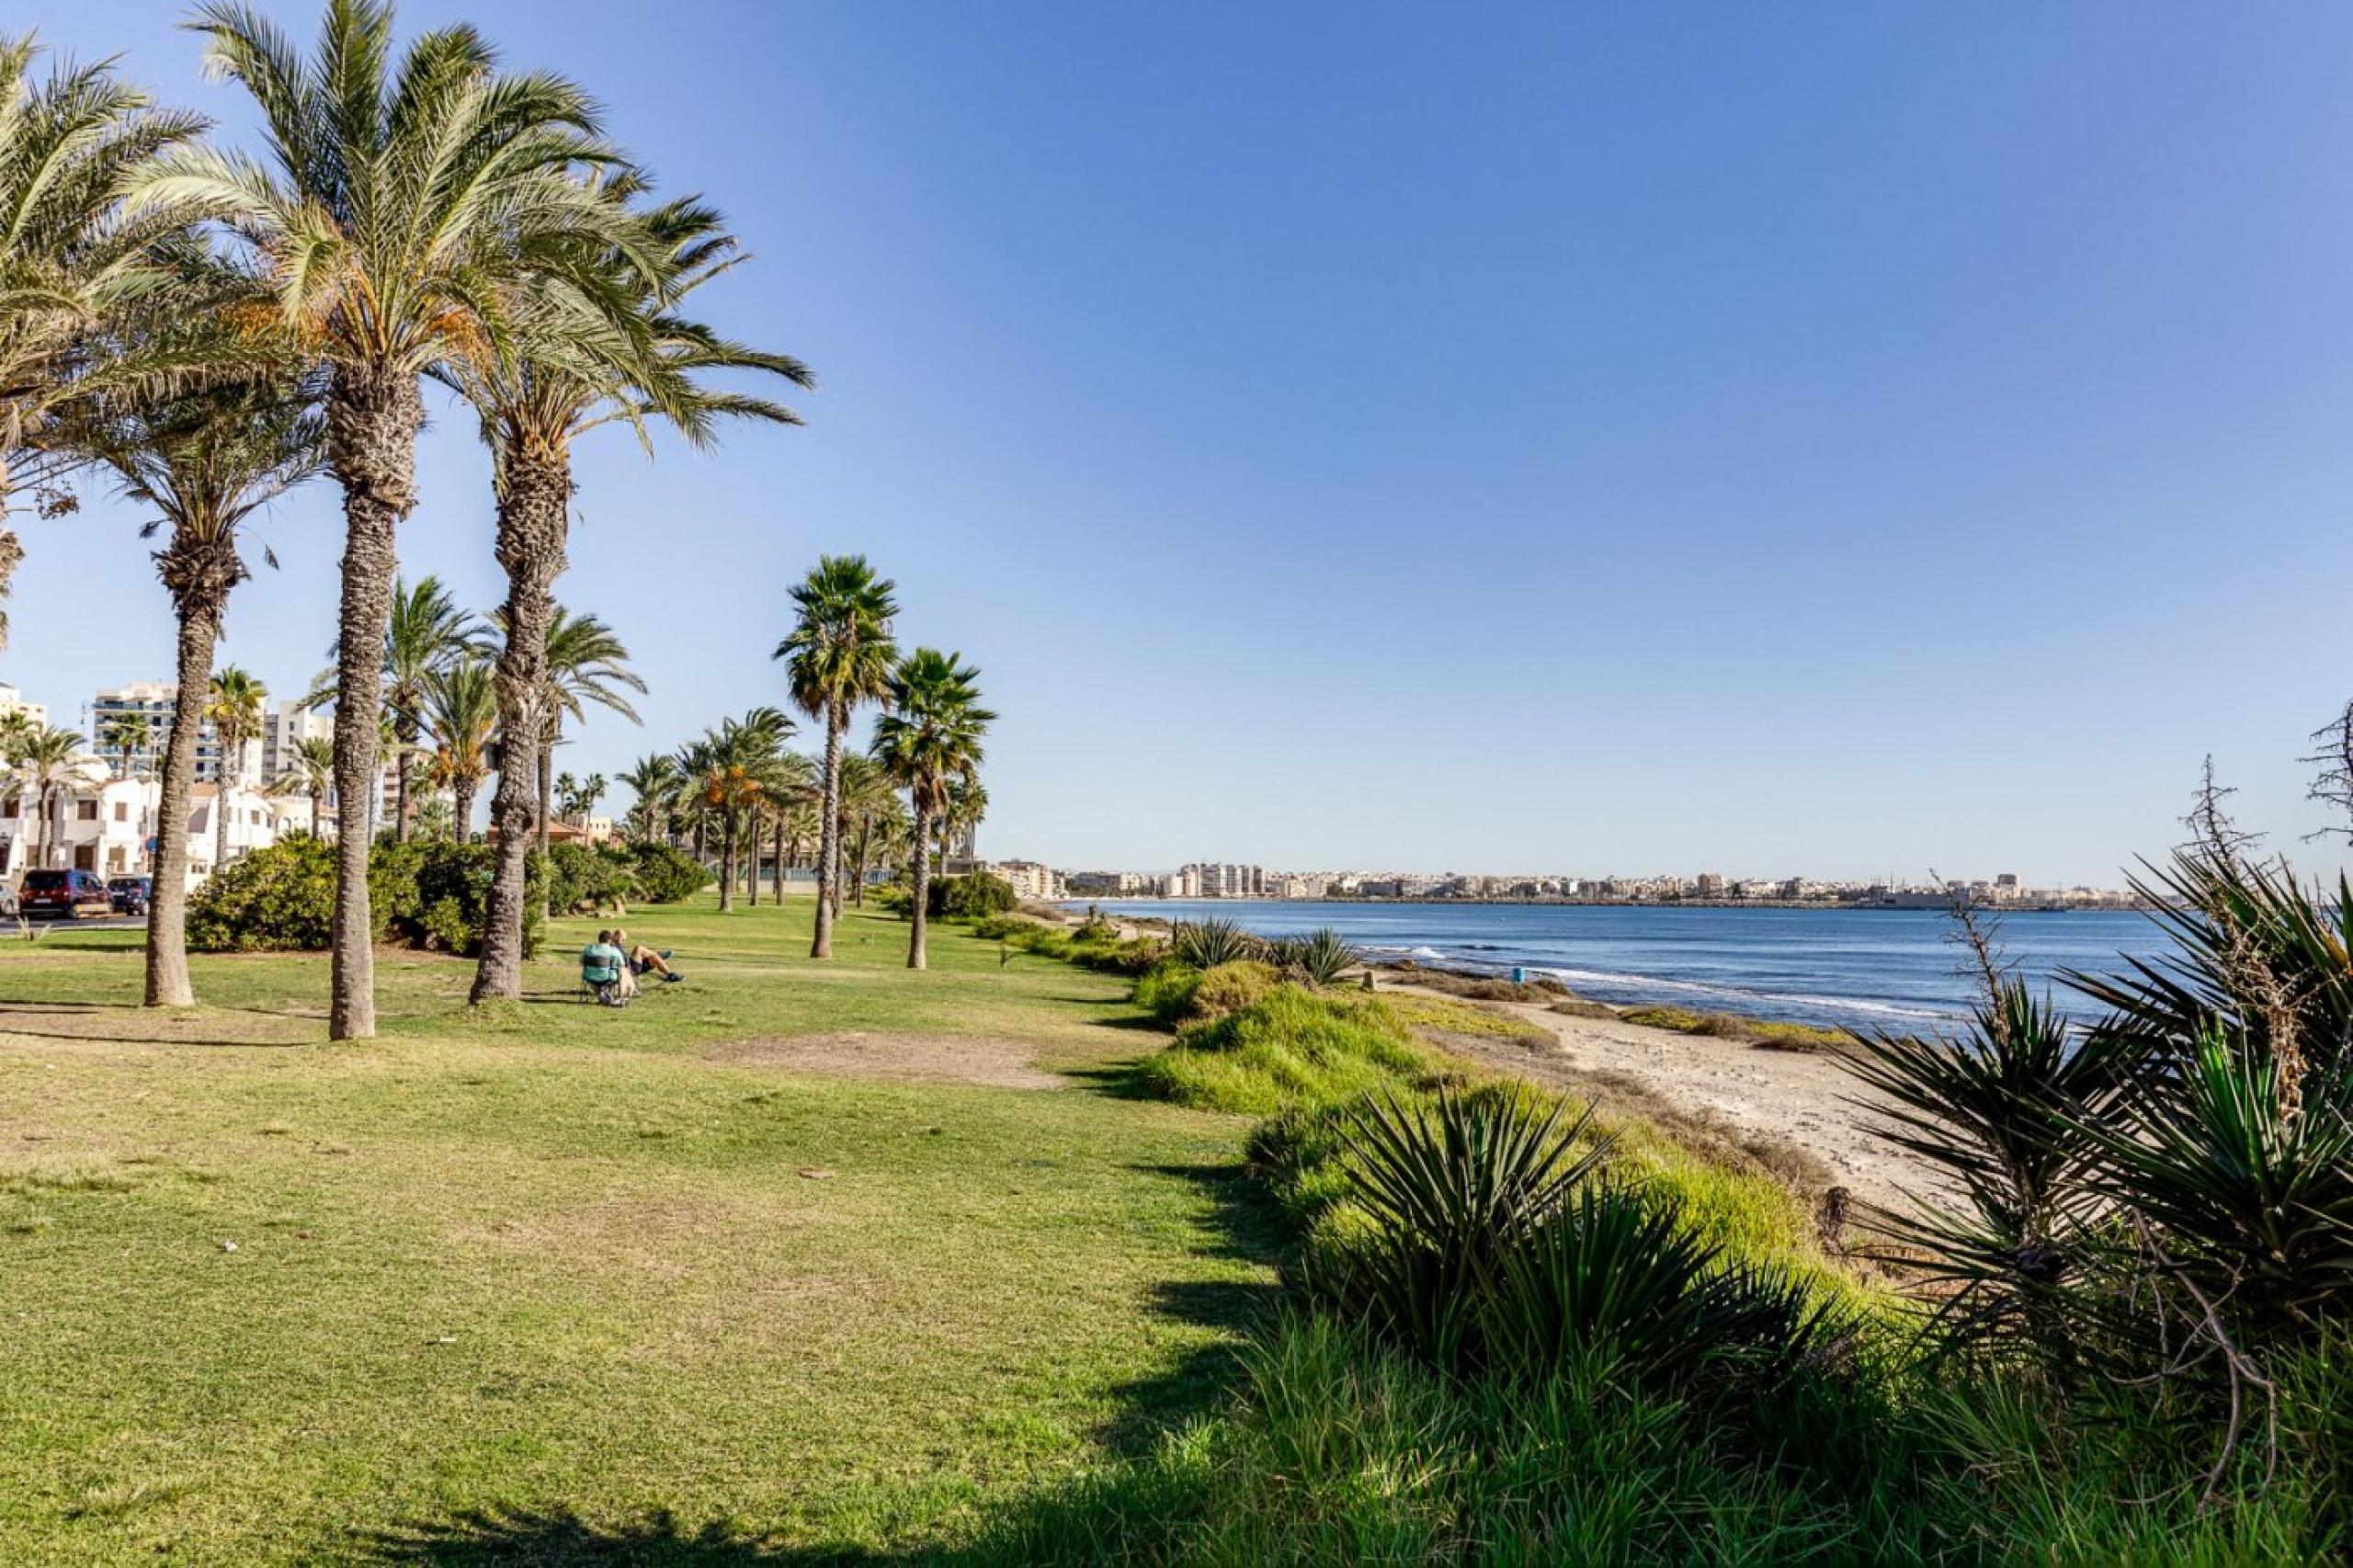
point(12, 702)
point(1031, 880)
point(283, 728)
point(1224, 880)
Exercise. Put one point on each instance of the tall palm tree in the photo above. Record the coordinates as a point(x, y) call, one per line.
point(869, 804)
point(204, 464)
point(309, 770)
point(70, 257)
point(461, 721)
point(414, 204)
point(631, 359)
point(789, 791)
point(838, 656)
point(656, 781)
point(45, 763)
point(233, 704)
point(926, 739)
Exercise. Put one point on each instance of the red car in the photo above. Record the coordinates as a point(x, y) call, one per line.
point(64, 895)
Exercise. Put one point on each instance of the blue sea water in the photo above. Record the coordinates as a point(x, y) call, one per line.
point(1857, 968)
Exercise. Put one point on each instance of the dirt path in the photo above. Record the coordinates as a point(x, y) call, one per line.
point(1793, 1098)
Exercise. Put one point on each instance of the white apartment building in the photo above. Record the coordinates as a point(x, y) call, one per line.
point(281, 728)
point(13, 701)
point(1030, 878)
point(97, 823)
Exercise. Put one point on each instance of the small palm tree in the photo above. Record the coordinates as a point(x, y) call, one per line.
point(967, 803)
point(729, 772)
point(585, 663)
point(124, 734)
point(45, 760)
point(70, 258)
point(310, 770)
point(233, 705)
point(838, 656)
point(927, 739)
point(656, 781)
point(460, 720)
point(412, 205)
point(204, 464)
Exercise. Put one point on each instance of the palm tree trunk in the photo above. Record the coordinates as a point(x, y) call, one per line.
point(463, 792)
point(919, 888)
point(318, 811)
point(727, 859)
point(754, 880)
point(372, 424)
point(547, 790)
point(220, 809)
point(167, 978)
point(829, 843)
point(534, 511)
point(865, 846)
point(399, 786)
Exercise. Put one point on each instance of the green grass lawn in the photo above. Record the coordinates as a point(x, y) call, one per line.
point(265, 1298)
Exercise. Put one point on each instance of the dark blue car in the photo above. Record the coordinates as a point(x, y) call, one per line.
point(130, 895)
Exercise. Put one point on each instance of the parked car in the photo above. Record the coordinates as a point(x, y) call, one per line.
point(130, 893)
point(64, 895)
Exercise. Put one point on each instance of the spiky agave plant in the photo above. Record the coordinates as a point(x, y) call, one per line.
point(2001, 1110)
point(1450, 1186)
point(1618, 1276)
point(1205, 944)
point(1325, 956)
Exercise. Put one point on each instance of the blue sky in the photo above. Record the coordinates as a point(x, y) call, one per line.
point(1834, 439)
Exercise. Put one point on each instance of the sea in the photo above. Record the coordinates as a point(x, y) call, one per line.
point(1893, 968)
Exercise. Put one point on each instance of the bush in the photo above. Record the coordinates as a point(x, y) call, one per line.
point(1005, 927)
point(1292, 1047)
point(973, 897)
point(274, 900)
point(430, 894)
point(1166, 991)
point(1230, 988)
point(666, 875)
point(585, 878)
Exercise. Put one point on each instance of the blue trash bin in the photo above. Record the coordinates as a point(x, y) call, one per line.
point(1519, 976)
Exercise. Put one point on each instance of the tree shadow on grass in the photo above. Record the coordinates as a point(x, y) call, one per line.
point(481, 1538)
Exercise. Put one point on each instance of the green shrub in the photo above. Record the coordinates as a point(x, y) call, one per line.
point(276, 899)
point(1231, 987)
point(426, 894)
point(1292, 1047)
point(1165, 991)
point(1770, 1033)
point(585, 878)
point(973, 897)
point(666, 875)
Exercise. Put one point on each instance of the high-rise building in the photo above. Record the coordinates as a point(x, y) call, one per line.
point(281, 728)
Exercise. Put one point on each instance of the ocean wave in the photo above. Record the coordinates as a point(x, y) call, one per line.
point(1739, 994)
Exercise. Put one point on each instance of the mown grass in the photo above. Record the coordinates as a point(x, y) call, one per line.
point(271, 1299)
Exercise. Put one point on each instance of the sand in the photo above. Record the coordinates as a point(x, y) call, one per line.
point(1797, 1098)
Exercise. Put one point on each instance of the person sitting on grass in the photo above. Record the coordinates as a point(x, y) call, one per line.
point(642, 958)
point(604, 966)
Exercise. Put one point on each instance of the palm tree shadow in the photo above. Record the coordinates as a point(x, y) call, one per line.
point(558, 1537)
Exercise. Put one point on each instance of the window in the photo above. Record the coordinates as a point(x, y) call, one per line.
point(122, 811)
point(85, 811)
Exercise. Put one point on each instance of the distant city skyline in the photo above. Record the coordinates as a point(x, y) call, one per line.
point(1857, 440)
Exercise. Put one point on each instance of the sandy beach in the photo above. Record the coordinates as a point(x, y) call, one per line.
point(1795, 1098)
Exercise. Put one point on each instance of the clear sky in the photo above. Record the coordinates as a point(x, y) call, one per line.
point(1838, 439)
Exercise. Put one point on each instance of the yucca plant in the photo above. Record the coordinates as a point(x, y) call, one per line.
point(2003, 1111)
point(1450, 1186)
point(1205, 944)
point(1325, 956)
point(2246, 1210)
point(1616, 1277)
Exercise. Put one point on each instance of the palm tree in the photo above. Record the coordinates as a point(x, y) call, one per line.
point(408, 222)
point(869, 805)
point(460, 720)
point(839, 655)
point(70, 257)
point(309, 770)
point(656, 781)
point(788, 792)
point(124, 734)
point(425, 631)
point(928, 739)
point(584, 663)
point(204, 464)
point(233, 704)
point(632, 359)
point(967, 803)
point(729, 771)
point(45, 760)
